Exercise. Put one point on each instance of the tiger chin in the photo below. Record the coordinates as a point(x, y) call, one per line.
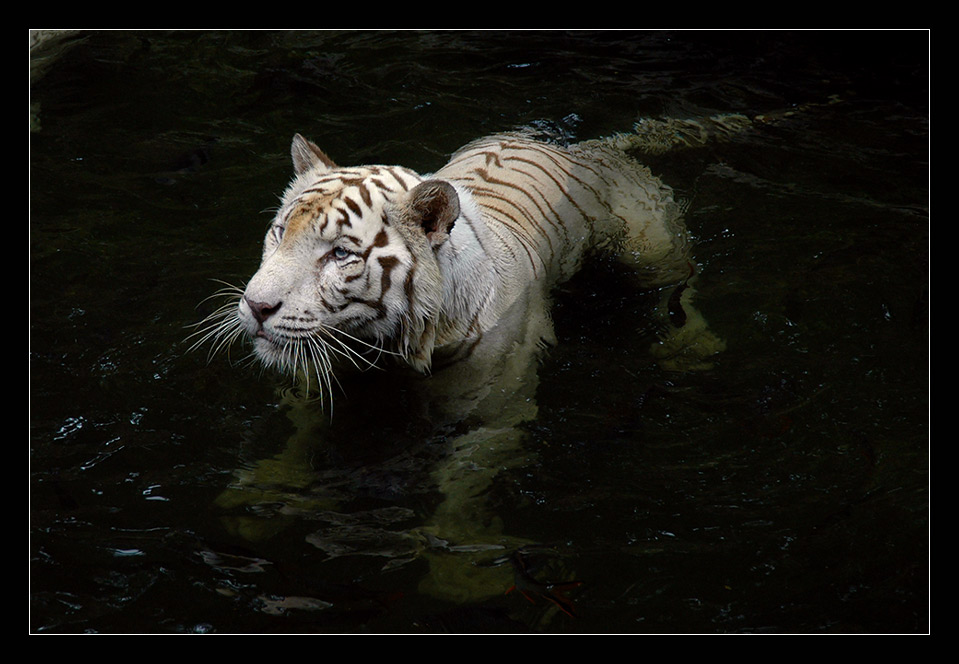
point(369, 264)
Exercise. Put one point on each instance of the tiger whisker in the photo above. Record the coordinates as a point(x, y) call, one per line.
point(221, 326)
point(350, 354)
point(324, 370)
point(370, 345)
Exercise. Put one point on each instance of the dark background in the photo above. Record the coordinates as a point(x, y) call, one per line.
point(786, 490)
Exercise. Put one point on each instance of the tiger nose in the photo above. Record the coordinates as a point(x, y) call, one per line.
point(262, 310)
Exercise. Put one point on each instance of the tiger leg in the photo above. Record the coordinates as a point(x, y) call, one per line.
point(686, 343)
point(658, 250)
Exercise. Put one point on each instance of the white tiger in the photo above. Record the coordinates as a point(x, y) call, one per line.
point(452, 270)
point(372, 260)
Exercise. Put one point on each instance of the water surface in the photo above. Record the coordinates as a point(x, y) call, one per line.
point(785, 490)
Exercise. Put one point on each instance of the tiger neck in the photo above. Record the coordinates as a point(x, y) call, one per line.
point(478, 288)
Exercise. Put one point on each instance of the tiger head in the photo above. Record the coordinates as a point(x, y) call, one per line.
point(349, 267)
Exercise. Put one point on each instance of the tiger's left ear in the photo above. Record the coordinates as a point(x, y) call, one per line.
point(434, 205)
point(306, 155)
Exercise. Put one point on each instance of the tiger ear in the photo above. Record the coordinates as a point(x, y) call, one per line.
point(306, 155)
point(434, 206)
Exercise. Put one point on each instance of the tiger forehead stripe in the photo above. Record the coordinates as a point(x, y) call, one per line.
point(353, 205)
point(306, 209)
point(325, 200)
point(357, 187)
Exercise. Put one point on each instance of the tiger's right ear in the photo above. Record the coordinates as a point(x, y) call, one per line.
point(306, 155)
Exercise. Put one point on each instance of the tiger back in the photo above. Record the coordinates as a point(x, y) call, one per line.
point(560, 203)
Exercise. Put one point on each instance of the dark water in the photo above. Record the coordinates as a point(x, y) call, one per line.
point(785, 490)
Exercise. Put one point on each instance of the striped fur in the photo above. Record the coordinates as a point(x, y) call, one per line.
point(374, 260)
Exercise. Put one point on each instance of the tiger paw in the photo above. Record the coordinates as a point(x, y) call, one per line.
point(692, 347)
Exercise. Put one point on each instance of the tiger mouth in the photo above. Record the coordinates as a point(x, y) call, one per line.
point(281, 352)
point(282, 337)
point(263, 334)
point(265, 343)
point(272, 343)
